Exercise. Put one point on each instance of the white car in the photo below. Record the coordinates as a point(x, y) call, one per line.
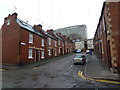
point(87, 51)
point(79, 58)
point(78, 51)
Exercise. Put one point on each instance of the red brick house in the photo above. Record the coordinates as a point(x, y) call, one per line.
point(0, 46)
point(21, 43)
point(66, 41)
point(55, 43)
point(60, 44)
point(107, 35)
point(67, 44)
point(50, 42)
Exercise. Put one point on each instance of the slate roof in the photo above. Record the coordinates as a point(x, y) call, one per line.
point(59, 37)
point(48, 34)
point(28, 27)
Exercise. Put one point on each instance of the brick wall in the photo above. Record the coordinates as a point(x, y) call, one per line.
point(10, 41)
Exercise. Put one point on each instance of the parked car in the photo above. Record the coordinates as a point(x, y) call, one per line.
point(77, 51)
point(79, 58)
point(87, 51)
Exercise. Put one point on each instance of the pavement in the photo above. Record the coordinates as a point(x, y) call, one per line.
point(11, 67)
point(95, 68)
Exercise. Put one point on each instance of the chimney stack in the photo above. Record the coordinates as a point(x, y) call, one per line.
point(50, 31)
point(15, 15)
point(38, 27)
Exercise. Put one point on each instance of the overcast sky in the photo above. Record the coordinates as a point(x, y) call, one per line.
point(55, 13)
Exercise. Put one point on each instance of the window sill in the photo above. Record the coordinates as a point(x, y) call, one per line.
point(42, 57)
point(31, 43)
point(30, 57)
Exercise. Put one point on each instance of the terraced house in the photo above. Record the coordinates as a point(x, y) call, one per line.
point(107, 36)
point(23, 43)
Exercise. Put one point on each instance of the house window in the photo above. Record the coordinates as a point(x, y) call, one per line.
point(30, 38)
point(49, 41)
point(63, 50)
point(49, 52)
point(59, 50)
point(8, 22)
point(42, 42)
point(55, 53)
point(103, 23)
point(63, 45)
point(55, 43)
point(42, 54)
point(30, 54)
point(59, 42)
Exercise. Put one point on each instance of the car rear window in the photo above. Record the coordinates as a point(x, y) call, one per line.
point(78, 56)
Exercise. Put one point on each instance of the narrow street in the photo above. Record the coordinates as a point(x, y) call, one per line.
point(55, 74)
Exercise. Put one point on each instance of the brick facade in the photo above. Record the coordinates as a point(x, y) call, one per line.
point(23, 43)
point(107, 37)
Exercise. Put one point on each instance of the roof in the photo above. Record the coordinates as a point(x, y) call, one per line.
point(28, 27)
point(102, 12)
point(48, 34)
point(58, 37)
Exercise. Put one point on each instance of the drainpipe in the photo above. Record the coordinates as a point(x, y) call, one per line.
point(19, 43)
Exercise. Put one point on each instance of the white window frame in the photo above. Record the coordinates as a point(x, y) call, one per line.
point(42, 41)
point(55, 43)
point(103, 24)
point(49, 53)
point(63, 45)
point(8, 22)
point(55, 52)
point(42, 54)
point(59, 42)
point(30, 53)
point(59, 50)
point(49, 41)
point(63, 51)
point(30, 38)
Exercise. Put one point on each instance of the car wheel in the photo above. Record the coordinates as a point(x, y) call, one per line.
point(74, 63)
point(83, 63)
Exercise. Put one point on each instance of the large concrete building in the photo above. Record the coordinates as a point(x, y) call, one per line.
point(76, 33)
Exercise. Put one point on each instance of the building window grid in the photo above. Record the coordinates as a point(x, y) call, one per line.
point(30, 53)
point(59, 50)
point(55, 43)
point(42, 54)
point(30, 38)
point(8, 22)
point(103, 24)
point(49, 41)
point(49, 52)
point(42, 42)
point(55, 53)
point(59, 42)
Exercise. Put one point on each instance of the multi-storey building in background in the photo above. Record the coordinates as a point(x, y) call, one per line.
point(23, 43)
point(90, 44)
point(76, 33)
point(107, 35)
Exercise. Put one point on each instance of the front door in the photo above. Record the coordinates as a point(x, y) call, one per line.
point(37, 55)
point(109, 55)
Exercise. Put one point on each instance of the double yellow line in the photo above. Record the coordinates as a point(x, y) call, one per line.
point(80, 74)
point(2, 70)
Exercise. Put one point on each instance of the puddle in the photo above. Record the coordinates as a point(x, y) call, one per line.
point(17, 82)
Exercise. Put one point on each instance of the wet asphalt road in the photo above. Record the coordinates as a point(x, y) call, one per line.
point(55, 74)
